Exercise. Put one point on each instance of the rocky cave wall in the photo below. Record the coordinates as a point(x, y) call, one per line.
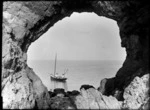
point(25, 22)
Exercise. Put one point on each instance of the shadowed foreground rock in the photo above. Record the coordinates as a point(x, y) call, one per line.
point(107, 86)
point(58, 102)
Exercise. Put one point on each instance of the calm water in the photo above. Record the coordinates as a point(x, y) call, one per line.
point(80, 72)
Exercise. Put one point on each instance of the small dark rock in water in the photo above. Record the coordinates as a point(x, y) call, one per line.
point(86, 86)
point(73, 93)
point(58, 92)
point(69, 92)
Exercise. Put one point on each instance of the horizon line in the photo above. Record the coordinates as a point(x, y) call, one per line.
point(72, 60)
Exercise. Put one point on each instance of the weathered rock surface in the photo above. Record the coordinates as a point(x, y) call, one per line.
point(25, 22)
point(137, 93)
point(24, 90)
point(93, 99)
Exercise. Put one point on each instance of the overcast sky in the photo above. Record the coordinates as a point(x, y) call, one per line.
point(84, 36)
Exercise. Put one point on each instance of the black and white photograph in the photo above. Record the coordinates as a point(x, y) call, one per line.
point(75, 54)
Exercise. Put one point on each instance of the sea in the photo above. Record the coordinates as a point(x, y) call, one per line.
point(79, 71)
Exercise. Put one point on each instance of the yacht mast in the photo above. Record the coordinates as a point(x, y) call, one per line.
point(55, 64)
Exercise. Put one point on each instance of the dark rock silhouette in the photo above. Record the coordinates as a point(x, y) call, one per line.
point(86, 86)
point(73, 93)
point(59, 91)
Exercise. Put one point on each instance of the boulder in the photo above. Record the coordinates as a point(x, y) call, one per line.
point(136, 93)
point(93, 99)
point(24, 90)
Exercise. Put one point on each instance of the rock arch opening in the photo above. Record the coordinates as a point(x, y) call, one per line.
point(25, 22)
point(85, 39)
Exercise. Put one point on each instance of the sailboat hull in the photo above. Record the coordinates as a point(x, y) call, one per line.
point(59, 78)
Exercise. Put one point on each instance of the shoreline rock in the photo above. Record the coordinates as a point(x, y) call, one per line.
point(25, 90)
point(136, 96)
point(137, 92)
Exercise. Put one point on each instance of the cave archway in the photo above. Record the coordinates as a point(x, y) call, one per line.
point(25, 22)
point(82, 37)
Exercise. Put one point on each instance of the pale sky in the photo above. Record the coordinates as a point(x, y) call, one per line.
point(84, 36)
